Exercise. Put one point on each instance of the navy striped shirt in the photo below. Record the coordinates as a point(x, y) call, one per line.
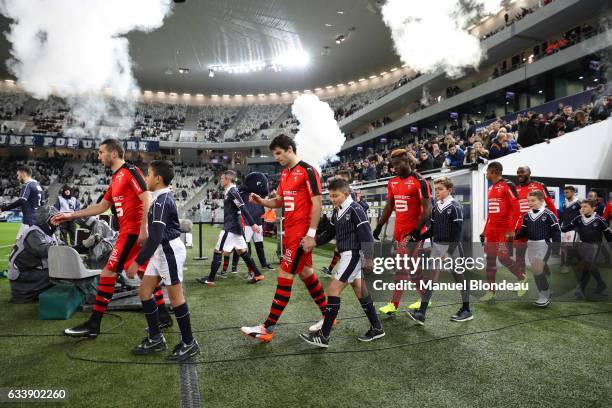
point(233, 208)
point(590, 229)
point(351, 228)
point(446, 223)
point(540, 225)
point(163, 224)
point(569, 212)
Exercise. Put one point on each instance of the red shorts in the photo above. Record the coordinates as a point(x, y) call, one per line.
point(124, 253)
point(294, 257)
point(496, 242)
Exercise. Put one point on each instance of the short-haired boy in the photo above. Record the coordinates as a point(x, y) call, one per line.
point(166, 254)
point(357, 197)
point(445, 230)
point(591, 228)
point(541, 228)
point(350, 226)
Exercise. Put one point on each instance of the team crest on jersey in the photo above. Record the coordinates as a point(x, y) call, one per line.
point(448, 211)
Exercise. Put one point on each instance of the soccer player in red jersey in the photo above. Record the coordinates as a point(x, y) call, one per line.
point(409, 195)
point(299, 194)
point(128, 193)
point(524, 187)
point(502, 219)
point(607, 214)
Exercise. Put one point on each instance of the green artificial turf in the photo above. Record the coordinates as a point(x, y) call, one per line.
point(510, 355)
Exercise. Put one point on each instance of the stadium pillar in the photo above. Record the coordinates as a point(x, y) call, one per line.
point(200, 240)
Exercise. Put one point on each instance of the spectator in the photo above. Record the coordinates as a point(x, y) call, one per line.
point(426, 162)
point(499, 147)
point(368, 172)
point(437, 155)
point(455, 157)
point(530, 135)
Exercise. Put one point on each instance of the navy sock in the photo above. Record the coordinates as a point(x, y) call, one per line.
point(249, 263)
point(331, 311)
point(214, 266)
point(235, 260)
point(465, 292)
point(181, 313)
point(368, 307)
point(261, 254)
point(150, 310)
point(541, 281)
point(425, 300)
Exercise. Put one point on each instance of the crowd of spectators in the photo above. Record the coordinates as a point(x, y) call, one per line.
point(469, 145)
point(12, 105)
point(158, 120)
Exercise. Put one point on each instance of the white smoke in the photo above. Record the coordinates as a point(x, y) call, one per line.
point(432, 34)
point(78, 50)
point(319, 138)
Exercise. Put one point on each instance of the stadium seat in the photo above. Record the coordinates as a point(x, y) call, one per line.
point(65, 263)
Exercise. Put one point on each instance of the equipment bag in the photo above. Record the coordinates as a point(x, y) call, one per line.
point(59, 302)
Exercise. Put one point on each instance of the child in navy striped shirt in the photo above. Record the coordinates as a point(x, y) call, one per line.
point(445, 229)
point(541, 227)
point(354, 241)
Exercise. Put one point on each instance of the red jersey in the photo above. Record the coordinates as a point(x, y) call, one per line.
point(607, 214)
point(297, 187)
point(503, 207)
point(524, 190)
point(127, 184)
point(407, 194)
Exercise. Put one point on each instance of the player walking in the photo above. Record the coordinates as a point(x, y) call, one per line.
point(128, 193)
point(502, 218)
point(409, 195)
point(299, 192)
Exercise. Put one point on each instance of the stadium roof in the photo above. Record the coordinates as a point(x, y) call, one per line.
point(203, 33)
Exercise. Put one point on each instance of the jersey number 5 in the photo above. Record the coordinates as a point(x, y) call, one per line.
point(494, 207)
point(401, 206)
point(119, 210)
point(289, 203)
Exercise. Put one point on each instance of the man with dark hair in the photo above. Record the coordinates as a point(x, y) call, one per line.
point(299, 194)
point(30, 198)
point(502, 217)
point(409, 195)
point(67, 203)
point(231, 236)
point(128, 193)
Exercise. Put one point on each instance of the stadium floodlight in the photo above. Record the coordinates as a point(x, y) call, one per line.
point(329, 87)
point(393, 69)
point(372, 76)
point(294, 59)
point(361, 79)
point(211, 73)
